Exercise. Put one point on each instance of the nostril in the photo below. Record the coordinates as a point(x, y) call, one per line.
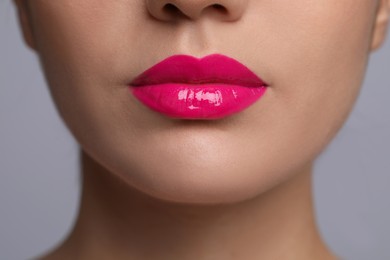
point(170, 8)
point(219, 8)
point(173, 11)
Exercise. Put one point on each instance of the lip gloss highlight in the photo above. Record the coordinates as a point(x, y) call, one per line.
point(186, 87)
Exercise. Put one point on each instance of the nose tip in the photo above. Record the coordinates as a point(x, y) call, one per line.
point(171, 10)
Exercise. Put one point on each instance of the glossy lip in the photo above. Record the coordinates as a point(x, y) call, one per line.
point(187, 87)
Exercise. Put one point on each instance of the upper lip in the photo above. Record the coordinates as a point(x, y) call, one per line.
point(215, 68)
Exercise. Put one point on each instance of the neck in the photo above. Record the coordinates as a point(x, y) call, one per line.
point(116, 221)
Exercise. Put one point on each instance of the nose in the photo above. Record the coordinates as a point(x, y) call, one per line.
point(171, 10)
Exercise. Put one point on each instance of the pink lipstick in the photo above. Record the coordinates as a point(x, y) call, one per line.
point(186, 87)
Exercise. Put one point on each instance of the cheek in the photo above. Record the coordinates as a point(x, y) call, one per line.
point(319, 62)
point(87, 51)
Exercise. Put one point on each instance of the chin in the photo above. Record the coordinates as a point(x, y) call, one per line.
point(202, 181)
point(186, 186)
point(196, 166)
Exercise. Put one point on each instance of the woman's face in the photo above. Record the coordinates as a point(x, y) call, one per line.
point(313, 55)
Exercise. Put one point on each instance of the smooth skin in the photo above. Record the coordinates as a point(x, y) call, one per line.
point(237, 188)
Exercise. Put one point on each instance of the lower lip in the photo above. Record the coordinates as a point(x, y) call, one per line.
point(203, 101)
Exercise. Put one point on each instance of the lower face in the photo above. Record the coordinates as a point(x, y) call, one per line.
point(313, 55)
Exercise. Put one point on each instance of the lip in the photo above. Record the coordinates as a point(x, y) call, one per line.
point(187, 87)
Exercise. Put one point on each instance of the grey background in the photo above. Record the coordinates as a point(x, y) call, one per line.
point(39, 185)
